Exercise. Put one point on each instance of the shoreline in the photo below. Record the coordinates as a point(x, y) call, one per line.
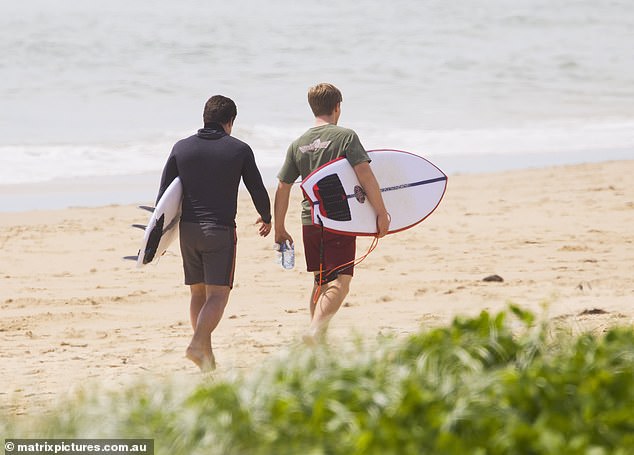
point(141, 188)
point(73, 311)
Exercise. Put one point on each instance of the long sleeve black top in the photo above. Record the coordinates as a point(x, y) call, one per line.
point(210, 165)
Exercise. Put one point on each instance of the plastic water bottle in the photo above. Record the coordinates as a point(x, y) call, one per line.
point(285, 254)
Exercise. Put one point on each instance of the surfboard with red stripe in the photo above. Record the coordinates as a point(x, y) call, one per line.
point(412, 187)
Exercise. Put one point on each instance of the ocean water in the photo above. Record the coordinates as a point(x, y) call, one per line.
point(102, 89)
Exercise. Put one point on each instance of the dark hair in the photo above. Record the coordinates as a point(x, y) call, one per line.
point(323, 98)
point(219, 109)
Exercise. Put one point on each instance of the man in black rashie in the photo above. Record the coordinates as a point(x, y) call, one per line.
point(210, 165)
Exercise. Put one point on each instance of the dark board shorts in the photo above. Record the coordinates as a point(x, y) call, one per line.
point(209, 253)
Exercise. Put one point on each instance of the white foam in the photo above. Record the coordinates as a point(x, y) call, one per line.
point(39, 163)
point(566, 142)
point(566, 138)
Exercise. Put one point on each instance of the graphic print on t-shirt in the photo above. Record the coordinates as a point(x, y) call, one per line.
point(315, 145)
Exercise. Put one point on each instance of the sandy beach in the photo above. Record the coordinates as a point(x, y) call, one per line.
point(74, 312)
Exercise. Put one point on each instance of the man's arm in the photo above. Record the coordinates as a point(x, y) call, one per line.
point(253, 182)
point(170, 172)
point(260, 197)
point(280, 207)
point(373, 192)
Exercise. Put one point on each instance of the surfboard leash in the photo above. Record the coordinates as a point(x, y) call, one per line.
point(354, 262)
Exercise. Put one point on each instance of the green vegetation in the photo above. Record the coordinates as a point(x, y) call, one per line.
point(475, 387)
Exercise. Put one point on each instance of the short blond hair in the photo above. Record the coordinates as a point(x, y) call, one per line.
point(323, 98)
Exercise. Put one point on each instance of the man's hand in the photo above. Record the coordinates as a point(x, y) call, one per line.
point(383, 224)
point(282, 236)
point(264, 229)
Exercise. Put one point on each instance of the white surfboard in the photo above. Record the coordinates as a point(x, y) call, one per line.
point(411, 186)
point(162, 228)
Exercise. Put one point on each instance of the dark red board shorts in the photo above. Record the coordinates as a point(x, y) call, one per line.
point(338, 249)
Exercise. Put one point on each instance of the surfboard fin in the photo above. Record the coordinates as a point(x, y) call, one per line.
point(139, 226)
point(131, 258)
point(153, 240)
point(147, 208)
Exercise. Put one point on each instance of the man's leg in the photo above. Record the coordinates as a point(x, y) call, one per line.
point(198, 299)
point(200, 351)
point(313, 300)
point(328, 303)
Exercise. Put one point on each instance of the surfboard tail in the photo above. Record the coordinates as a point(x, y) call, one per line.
point(153, 240)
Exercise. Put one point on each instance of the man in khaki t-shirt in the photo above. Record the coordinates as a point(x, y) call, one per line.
point(316, 147)
point(330, 256)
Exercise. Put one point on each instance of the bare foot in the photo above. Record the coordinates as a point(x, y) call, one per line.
point(314, 337)
point(309, 340)
point(206, 362)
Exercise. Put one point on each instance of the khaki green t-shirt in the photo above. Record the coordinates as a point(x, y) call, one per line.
point(316, 147)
